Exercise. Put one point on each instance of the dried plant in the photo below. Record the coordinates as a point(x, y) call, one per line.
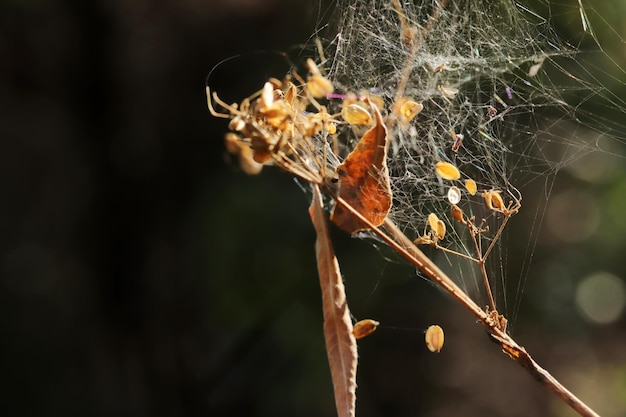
point(401, 136)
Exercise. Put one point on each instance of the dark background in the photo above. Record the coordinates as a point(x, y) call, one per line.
point(143, 275)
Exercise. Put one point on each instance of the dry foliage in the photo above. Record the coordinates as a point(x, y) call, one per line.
point(340, 340)
point(285, 125)
point(364, 180)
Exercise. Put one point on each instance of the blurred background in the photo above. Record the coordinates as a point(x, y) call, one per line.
point(142, 274)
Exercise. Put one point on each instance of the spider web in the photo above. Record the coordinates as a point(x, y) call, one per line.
point(524, 100)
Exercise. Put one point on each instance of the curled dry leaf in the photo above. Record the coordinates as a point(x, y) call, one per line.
point(340, 341)
point(364, 180)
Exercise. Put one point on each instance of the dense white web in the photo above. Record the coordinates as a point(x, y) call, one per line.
point(506, 100)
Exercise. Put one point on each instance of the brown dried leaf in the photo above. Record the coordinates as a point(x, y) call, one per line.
point(340, 341)
point(364, 180)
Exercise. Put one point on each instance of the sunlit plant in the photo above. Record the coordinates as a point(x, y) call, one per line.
point(417, 123)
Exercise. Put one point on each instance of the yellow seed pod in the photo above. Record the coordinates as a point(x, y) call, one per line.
point(357, 115)
point(409, 109)
point(434, 338)
point(364, 328)
point(447, 171)
point(470, 186)
point(494, 200)
point(441, 229)
point(457, 213)
point(432, 221)
point(406, 109)
point(319, 86)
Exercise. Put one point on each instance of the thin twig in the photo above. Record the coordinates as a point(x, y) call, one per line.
point(497, 236)
point(455, 253)
point(478, 244)
point(483, 259)
point(483, 271)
